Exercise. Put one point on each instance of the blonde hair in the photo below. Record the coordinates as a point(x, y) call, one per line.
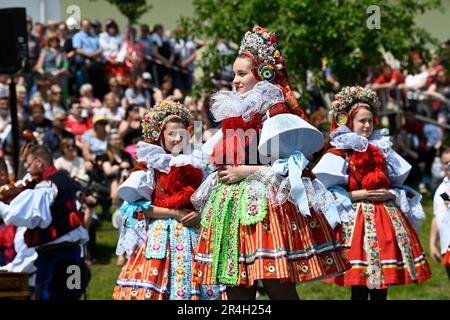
point(86, 87)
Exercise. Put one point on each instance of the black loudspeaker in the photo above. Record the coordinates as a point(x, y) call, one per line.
point(13, 40)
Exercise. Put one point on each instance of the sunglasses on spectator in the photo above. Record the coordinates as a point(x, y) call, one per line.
point(57, 92)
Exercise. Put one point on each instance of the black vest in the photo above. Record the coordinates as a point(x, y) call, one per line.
point(65, 216)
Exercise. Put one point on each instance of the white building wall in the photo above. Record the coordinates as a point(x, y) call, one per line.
point(39, 10)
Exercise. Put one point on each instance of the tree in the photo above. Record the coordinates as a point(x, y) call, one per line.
point(132, 9)
point(311, 30)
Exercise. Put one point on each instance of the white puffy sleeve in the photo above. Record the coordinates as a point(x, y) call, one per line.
point(31, 208)
point(331, 170)
point(137, 192)
point(139, 185)
point(25, 257)
point(397, 168)
point(409, 201)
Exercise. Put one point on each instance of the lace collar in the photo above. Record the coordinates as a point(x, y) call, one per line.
point(227, 104)
point(157, 158)
point(344, 138)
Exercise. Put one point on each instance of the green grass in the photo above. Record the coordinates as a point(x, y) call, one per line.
point(105, 272)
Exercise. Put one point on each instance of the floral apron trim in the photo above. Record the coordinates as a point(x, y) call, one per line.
point(228, 263)
point(180, 259)
point(373, 272)
point(157, 239)
point(403, 240)
point(253, 206)
point(228, 206)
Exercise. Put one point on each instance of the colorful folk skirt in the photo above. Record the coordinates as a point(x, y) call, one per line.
point(382, 247)
point(244, 238)
point(161, 268)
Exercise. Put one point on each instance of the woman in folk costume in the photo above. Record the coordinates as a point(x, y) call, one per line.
point(262, 222)
point(159, 231)
point(378, 213)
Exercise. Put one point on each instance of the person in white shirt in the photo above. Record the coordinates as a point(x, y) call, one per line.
point(54, 227)
point(440, 225)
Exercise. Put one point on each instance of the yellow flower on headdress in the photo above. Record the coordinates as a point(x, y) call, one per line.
point(276, 54)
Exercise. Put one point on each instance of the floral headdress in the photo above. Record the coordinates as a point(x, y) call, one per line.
point(262, 47)
point(157, 117)
point(349, 98)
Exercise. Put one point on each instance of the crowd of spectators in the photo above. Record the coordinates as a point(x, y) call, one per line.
point(84, 97)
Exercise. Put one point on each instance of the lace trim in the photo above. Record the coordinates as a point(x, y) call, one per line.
point(343, 204)
point(157, 158)
point(133, 227)
point(197, 159)
point(411, 206)
point(343, 138)
point(273, 188)
point(227, 104)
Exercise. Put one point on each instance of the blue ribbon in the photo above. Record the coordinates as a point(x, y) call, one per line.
point(128, 209)
point(295, 165)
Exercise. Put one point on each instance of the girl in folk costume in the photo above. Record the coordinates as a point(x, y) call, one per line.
point(378, 213)
point(259, 221)
point(159, 231)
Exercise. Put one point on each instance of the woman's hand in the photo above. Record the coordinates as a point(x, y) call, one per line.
point(191, 219)
point(178, 214)
point(372, 195)
point(435, 254)
point(231, 174)
point(380, 195)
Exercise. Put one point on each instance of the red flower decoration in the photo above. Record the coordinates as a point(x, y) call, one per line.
point(273, 38)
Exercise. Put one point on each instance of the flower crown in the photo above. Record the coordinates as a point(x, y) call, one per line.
point(263, 46)
point(351, 97)
point(156, 118)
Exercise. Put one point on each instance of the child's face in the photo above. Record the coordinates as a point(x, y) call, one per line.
point(244, 80)
point(175, 137)
point(363, 122)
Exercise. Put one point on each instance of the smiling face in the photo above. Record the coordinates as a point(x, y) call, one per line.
point(244, 80)
point(363, 122)
point(174, 137)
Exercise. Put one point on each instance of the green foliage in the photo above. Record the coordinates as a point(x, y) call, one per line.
point(132, 9)
point(310, 30)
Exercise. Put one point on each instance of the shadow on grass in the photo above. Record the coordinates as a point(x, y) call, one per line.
point(104, 253)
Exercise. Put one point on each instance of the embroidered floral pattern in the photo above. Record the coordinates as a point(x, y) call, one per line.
point(348, 227)
point(402, 240)
point(157, 240)
point(228, 269)
point(253, 208)
point(373, 272)
point(181, 261)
